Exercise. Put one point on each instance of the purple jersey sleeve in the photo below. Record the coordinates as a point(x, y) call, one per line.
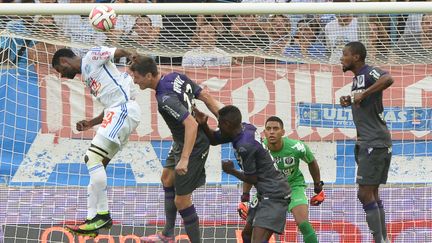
point(247, 158)
point(376, 73)
point(172, 106)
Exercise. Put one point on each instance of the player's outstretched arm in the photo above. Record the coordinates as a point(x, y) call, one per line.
point(202, 118)
point(120, 52)
point(212, 104)
point(85, 125)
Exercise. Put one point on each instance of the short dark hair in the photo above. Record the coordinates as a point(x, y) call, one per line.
point(231, 114)
point(357, 48)
point(144, 65)
point(275, 119)
point(64, 52)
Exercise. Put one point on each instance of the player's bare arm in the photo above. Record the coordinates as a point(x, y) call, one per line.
point(381, 84)
point(319, 196)
point(202, 118)
point(191, 129)
point(85, 125)
point(315, 172)
point(246, 187)
point(228, 167)
point(212, 104)
point(120, 52)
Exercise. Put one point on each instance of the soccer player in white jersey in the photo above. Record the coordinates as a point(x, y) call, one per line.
point(114, 90)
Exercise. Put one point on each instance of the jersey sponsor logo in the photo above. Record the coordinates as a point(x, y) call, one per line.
point(170, 111)
point(97, 55)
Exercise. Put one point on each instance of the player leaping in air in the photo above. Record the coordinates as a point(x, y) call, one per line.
point(287, 154)
point(267, 214)
point(114, 90)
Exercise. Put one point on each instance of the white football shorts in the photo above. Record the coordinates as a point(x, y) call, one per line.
point(118, 124)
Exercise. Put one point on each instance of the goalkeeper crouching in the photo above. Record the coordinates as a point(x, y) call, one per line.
point(287, 154)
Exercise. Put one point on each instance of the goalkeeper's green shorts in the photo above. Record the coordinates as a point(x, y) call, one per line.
point(298, 197)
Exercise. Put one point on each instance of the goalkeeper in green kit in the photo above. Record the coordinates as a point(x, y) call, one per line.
point(287, 154)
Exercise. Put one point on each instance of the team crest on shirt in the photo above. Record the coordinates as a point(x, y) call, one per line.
point(94, 86)
point(285, 165)
point(360, 81)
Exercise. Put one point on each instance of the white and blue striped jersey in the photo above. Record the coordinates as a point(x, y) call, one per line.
point(107, 84)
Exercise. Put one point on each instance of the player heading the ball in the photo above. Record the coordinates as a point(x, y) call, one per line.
point(121, 115)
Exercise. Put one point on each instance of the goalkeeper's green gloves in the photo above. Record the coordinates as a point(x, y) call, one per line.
point(319, 196)
point(243, 207)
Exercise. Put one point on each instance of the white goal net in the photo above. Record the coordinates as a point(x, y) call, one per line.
point(266, 64)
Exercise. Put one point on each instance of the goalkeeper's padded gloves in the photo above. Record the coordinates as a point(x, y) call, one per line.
point(319, 196)
point(243, 207)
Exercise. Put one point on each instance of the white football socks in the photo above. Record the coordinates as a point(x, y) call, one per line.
point(98, 179)
point(91, 202)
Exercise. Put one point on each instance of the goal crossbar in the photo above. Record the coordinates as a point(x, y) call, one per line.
point(223, 8)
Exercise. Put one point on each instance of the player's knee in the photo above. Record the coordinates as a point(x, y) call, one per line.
point(365, 196)
point(167, 177)
point(182, 202)
point(95, 155)
point(99, 181)
point(95, 161)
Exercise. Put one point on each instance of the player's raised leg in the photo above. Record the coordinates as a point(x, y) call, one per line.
point(101, 150)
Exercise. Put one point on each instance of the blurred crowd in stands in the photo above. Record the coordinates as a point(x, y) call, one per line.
point(222, 40)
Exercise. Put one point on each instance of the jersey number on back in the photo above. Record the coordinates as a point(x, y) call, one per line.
point(188, 98)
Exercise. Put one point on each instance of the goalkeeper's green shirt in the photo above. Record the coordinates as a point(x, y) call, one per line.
point(288, 160)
